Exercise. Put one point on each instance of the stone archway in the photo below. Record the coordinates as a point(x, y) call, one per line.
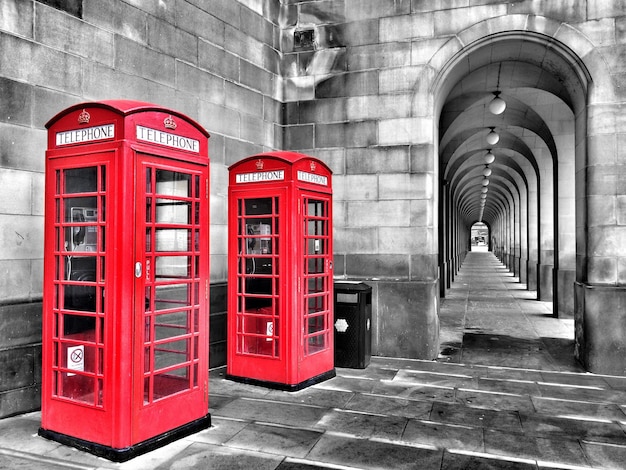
point(550, 68)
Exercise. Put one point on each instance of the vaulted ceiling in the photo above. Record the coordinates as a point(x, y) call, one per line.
point(542, 92)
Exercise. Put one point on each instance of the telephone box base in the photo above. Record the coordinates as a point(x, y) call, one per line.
point(283, 386)
point(127, 453)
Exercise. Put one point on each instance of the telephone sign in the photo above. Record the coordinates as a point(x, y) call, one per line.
point(90, 134)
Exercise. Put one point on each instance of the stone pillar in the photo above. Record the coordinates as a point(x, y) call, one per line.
point(407, 320)
point(443, 269)
point(545, 282)
point(533, 267)
point(564, 280)
point(600, 316)
point(600, 301)
point(523, 271)
point(545, 215)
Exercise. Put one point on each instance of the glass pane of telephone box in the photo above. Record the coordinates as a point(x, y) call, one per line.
point(170, 382)
point(173, 183)
point(315, 208)
point(258, 223)
point(258, 242)
point(81, 180)
point(80, 294)
point(81, 275)
point(172, 234)
point(315, 265)
point(316, 227)
point(258, 226)
point(317, 284)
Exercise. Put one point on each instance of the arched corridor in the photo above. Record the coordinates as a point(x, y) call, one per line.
point(515, 145)
point(514, 167)
point(489, 318)
point(480, 237)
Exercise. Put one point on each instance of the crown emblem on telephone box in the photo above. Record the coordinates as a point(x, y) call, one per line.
point(169, 122)
point(313, 166)
point(259, 164)
point(84, 117)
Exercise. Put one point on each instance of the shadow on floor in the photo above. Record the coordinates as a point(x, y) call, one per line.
point(543, 353)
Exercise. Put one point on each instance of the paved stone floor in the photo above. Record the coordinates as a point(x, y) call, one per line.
point(505, 393)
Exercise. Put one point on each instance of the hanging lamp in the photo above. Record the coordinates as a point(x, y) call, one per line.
point(493, 137)
point(489, 157)
point(497, 104)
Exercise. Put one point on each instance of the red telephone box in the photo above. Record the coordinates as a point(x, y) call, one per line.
point(126, 276)
point(280, 276)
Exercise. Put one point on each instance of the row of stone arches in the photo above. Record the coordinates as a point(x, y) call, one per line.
point(536, 196)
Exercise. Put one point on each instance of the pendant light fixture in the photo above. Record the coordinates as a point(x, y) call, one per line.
point(493, 137)
point(497, 104)
point(487, 171)
point(489, 157)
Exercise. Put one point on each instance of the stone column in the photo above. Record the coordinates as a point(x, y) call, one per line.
point(545, 266)
point(600, 301)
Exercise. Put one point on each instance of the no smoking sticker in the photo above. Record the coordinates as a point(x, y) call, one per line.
point(76, 358)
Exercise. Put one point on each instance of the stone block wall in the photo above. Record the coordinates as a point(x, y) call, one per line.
point(350, 100)
point(353, 82)
point(20, 358)
point(362, 94)
point(218, 62)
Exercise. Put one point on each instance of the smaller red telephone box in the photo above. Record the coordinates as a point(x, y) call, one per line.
point(126, 276)
point(280, 271)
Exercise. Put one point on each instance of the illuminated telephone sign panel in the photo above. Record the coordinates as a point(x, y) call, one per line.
point(280, 271)
point(126, 274)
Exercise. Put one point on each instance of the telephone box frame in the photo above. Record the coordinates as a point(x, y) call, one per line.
point(280, 271)
point(126, 278)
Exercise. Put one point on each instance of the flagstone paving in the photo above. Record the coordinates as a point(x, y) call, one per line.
point(505, 393)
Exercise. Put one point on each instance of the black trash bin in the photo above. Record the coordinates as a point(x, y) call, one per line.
point(353, 319)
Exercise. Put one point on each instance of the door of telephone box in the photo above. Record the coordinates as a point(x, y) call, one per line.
point(258, 332)
point(171, 284)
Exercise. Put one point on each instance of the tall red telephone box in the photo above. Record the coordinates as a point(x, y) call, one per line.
point(280, 271)
point(126, 276)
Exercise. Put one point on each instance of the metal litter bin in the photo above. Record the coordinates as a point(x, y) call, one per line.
point(353, 319)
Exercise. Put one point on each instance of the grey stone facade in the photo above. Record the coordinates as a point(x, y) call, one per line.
point(391, 94)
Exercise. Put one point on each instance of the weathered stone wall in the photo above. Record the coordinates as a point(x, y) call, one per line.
point(20, 358)
point(353, 82)
point(216, 61)
point(351, 98)
point(363, 94)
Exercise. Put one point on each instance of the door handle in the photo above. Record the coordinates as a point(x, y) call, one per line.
point(137, 269)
